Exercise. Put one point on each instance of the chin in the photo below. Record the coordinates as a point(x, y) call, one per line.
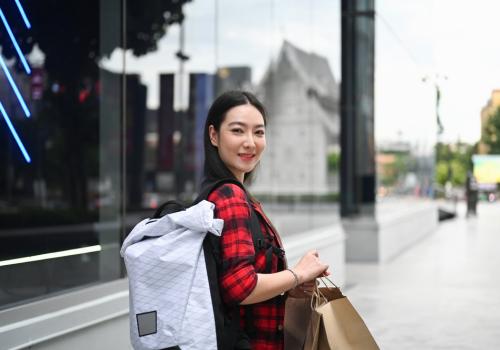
point(246, 170)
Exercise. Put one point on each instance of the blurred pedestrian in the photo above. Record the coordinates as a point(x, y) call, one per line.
point(471, 193)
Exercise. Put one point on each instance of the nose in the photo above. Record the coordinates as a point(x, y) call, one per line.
point(249, 141)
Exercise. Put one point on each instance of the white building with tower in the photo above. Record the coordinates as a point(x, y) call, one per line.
point(301, 96)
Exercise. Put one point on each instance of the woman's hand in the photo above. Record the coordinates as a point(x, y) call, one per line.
point(273, 284)
point(304, 290)
point(310, 267)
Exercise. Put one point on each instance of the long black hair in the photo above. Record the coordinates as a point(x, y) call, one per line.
point(214, 168)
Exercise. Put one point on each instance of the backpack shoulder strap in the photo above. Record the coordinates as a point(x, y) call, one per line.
point(259, 243)
point(208, 188)
point(255, 229)
point(227, 320)
point(170, 207)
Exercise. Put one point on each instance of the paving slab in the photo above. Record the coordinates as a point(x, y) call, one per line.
point(442, 293)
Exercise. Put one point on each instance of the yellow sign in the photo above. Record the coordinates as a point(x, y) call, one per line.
point(486, 168)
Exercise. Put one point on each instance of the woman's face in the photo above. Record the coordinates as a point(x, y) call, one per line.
point(241, 139)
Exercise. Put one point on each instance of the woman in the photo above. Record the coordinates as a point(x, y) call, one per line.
point(234, 140)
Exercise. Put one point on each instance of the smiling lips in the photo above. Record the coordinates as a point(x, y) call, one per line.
point(246, 156)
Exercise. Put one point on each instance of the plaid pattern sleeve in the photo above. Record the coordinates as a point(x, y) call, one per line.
point(263, 322)
point(238, 273)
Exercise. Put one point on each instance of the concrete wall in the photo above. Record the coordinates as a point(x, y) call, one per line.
point(395, 227)
point(111, 334)
point(329, 241)
point(95, 315)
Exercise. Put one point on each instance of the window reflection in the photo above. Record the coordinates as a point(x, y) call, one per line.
point(115, 130)
point(68, 196)
point(287, 55)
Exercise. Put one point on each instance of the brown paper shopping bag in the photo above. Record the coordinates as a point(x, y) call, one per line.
point(335, 324)
point(297, 315)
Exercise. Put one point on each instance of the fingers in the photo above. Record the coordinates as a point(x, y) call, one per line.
point(326, 273)
point(314, 252)
point(310, 266)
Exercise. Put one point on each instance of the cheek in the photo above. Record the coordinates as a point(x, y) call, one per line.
point(262, 144)
point(225, 144)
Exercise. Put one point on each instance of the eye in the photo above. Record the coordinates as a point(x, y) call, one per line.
point(260, 132)
point(237, 130)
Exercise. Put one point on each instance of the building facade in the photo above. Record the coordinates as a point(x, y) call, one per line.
point(486, 112)
point(302, 98)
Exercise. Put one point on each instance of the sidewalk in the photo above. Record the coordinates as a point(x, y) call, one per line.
point(443, 293)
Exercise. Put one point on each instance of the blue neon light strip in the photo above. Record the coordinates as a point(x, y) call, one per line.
point(14, 87)
point(23, 14)
point(14, 133)
point(14, 42)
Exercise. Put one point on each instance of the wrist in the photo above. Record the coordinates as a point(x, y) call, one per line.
point(295, 277)
point(300, 274)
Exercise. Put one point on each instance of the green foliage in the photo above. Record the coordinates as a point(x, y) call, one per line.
point(395, 171)
point(333, 162)
point(458, 172)
point(453, 161)
point(491, 133)
point(441, 172)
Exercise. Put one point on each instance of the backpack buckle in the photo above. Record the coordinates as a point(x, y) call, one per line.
point(260, 244)
point(281, 252)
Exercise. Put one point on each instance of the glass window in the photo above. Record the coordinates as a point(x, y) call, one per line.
point(60, 147)
point(103, 108)
point(293, 55)
point(288, 55)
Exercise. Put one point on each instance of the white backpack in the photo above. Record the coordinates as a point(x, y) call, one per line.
point(170, 302)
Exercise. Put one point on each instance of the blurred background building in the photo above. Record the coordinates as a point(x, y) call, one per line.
point(487, 113)
point(302, 99)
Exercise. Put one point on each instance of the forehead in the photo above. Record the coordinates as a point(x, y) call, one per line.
point(245, 114)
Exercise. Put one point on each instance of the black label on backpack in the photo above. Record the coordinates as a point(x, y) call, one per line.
point(146, 323)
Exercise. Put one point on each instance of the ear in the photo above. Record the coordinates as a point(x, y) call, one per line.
point(212, 133)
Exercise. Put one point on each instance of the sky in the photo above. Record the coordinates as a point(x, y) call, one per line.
point(250, 32)
point(455, 44)
point(450, 42)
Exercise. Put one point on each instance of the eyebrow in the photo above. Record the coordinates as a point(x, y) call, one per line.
point(243, 124)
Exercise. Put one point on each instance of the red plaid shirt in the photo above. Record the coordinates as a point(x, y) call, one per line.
point(241, 265)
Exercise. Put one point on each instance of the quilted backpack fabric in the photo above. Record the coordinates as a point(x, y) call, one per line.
point(170, 301)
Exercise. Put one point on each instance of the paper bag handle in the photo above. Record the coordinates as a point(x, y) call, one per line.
point(329, 280)
point(317, 298)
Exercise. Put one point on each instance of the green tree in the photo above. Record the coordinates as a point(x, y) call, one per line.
point(395, 171)
point(491, 133)
point(333, 161)
point(453, 161)
point(441, 172)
